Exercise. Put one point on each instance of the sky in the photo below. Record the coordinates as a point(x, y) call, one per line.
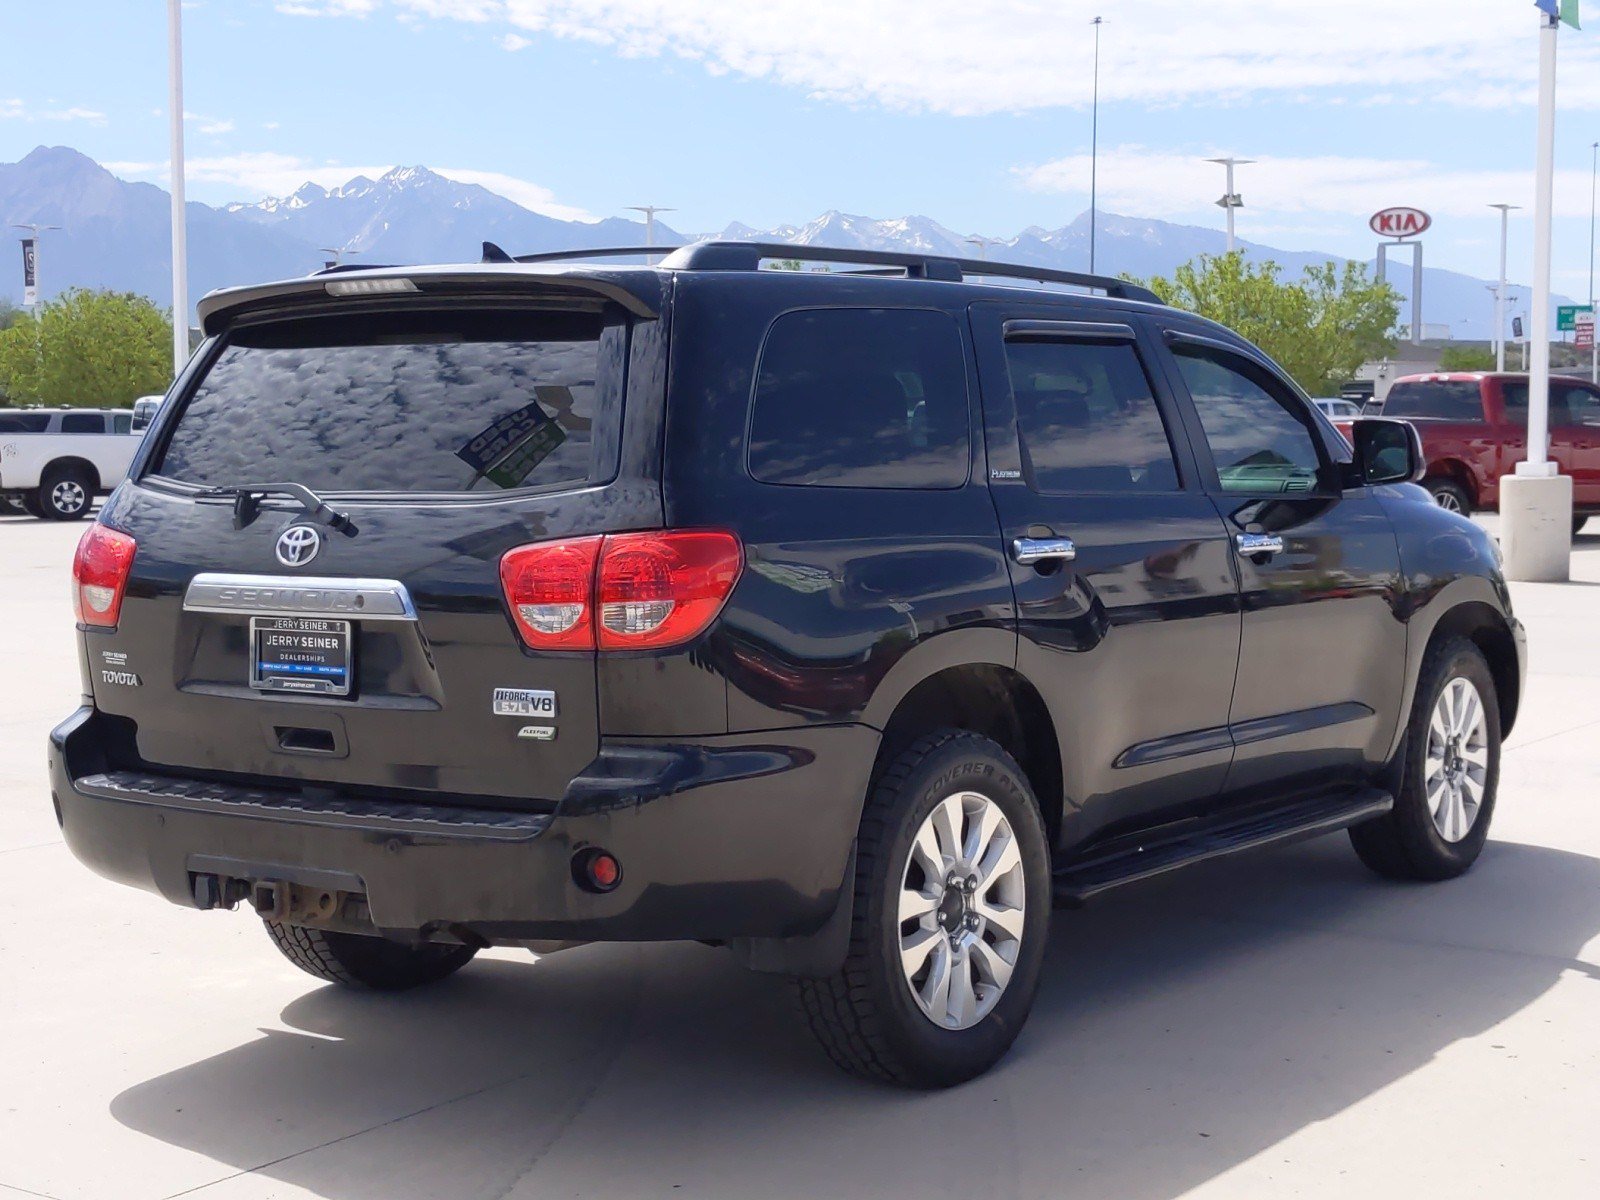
point(976, 113)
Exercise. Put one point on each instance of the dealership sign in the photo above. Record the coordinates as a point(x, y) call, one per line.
point(1400, 222)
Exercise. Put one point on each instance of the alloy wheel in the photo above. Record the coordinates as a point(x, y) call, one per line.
point(963, 903)
point(1456, 769)
point(1447, 501)
point(68, 496)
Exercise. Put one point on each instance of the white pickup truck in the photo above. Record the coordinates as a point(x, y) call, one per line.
point(54, 461)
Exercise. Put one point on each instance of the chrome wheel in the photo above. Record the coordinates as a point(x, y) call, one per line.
point(962, 907)
point(68, 496)
point(1456, 769)
point(1447, 501)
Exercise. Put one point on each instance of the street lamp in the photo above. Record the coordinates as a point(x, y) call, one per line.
point(1094, 145)
point(1594, 346)
point(649, 211)
point(1500, 291)
point(180, 238)
point(338, 254)
point(36, 230)
point(1230, 198)
point(983, 244)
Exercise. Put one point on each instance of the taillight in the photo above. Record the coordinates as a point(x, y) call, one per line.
point(550, 590)
point(629, 591)
point(661, 589)
point(100, 575)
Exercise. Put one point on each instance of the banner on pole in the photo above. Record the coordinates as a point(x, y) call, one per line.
point(1565, 11)
point(30, 273)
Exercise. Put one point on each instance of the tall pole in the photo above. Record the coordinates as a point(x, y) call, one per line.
point(983, 244)
point(180, 239)
point(1594, 345)
point(1094, 146)
point(1230, 198)
point(1500, 292)
point(649, 211)
point(36, 230)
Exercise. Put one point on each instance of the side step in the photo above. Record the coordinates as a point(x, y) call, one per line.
point(1128, 859)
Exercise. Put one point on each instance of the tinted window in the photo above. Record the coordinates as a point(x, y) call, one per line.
point(412, 401)
point(122, 423)
point(873, 398)
point(1258, 440)
point(1086, 418)
point(24, 422)
point(83, 423)
point(1449, 401)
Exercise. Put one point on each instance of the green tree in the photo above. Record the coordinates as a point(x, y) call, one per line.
point(1319, 329)
point(1466, 358)
point(10, 314)
point(87, 349)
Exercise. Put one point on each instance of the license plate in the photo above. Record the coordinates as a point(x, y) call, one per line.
point(300, 654)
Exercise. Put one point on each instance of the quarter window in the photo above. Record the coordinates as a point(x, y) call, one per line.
point(1086, 418)
point(83, 423)
point(867, 398)
point(1259, 441)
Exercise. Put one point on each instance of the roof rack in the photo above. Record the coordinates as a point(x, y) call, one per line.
point(493, 253)
point(748, 256)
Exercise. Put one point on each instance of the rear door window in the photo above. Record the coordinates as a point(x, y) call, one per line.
point(1446, 400)
point(24, 422)
point(414, 401)
point(868, 398)
point(83, 423)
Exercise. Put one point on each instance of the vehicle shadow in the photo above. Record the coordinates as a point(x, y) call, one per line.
point(1183, 1027)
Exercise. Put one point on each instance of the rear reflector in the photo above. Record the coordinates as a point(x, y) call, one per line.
point(629, 591)
point(100, 575)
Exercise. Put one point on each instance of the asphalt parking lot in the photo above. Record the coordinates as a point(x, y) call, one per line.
point(1282, 1024)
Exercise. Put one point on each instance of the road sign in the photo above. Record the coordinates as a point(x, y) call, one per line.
point(1584, 330)
point(1567, 316)
point(1399, 222)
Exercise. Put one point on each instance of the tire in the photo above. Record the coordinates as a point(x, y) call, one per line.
point(1578, 522)
point(357, 961)
point(867, 1016)
point(66, 494)
point(1448, 494)
point(31, 506)
point(1408, 842)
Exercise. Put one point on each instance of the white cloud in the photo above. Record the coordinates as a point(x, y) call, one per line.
point(209, 125)
point(266, 173)
point(983, 56)
point(513, 41)
point(327, 8)
point(1140, 182)
point(16, 110)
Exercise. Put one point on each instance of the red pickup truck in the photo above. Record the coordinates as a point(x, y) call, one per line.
point(1474, 429)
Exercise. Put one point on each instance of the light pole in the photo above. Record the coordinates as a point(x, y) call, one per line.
point(983, 244)
point(1230, 198)
point(649, 211)
point(1500, 292)
point(36, 230)
point(1594, 346)
point(1094, 145)
point(338, 254)
point(180, 238)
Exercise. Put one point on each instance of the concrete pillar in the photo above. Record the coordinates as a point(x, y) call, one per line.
point(1536, 525)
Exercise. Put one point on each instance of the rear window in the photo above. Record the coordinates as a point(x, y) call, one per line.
point(869, 398)
point(24, 422)
point(1449, 401)
point(465, 400)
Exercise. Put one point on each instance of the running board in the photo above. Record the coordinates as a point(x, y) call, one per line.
point(1129, 859)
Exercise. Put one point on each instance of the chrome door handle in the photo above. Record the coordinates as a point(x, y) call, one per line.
point(1251, 544)
point(1028, 551)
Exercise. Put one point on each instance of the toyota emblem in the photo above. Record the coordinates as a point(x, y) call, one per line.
point(298, 545)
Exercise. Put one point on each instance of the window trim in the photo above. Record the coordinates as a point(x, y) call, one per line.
point(1085, 333)
point(974, 443)
point(1271, 381)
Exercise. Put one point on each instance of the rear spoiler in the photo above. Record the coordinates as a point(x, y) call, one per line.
point(637, 291)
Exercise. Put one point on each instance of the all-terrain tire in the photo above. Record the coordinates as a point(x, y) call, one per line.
point(356, 961)
point(65, 494)
point(1405, 843)
point(865, 1015)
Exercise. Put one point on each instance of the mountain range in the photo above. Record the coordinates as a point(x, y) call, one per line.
point(114, 234)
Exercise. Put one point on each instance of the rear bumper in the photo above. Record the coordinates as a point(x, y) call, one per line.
point(745, 836)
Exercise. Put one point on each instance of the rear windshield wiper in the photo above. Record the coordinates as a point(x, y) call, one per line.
point(247, 498)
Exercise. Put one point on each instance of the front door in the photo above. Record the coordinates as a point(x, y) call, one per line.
point(1125, 596)
point(1319, 686)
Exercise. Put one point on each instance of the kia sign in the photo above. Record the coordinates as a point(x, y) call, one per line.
point(1400, 222)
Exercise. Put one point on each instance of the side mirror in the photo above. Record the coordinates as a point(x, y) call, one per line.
point(1387, 451)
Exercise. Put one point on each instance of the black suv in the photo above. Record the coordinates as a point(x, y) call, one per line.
point(844, 618)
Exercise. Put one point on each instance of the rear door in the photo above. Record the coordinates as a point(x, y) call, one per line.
point(258, 643)
point(1575, 428)
point(1324, 638)
point(1126, 600)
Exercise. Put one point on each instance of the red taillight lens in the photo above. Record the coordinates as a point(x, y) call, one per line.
point(550, 590)
point(100, 575)
point(630, 591)
point(661, 589)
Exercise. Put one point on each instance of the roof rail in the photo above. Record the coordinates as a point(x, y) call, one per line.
point(748, 256)
point(493, 253)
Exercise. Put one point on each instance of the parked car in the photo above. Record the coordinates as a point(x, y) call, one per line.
point(54, 461)
point(1336, 408)
point(1474, 429)
point(841, 619)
